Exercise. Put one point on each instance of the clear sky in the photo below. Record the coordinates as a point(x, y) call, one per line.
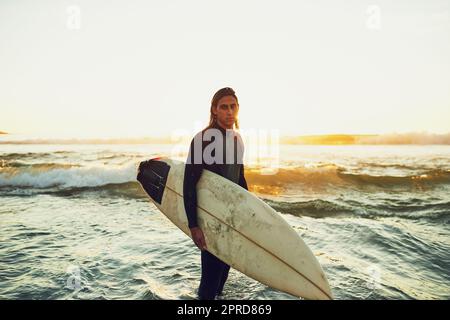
point(142, 68)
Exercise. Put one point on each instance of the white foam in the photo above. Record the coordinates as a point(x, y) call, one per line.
point(71, 177)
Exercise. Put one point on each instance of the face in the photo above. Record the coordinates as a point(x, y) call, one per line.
point(226, 111)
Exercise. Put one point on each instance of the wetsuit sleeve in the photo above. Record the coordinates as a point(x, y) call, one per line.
point(192, 173)
point(242, 181)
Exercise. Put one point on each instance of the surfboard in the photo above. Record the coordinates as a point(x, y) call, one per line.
point(240, 229)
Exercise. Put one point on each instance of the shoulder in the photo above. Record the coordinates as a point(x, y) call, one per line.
point(239, 138)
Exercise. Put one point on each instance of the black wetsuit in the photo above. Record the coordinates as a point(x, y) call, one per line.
point(214, 271)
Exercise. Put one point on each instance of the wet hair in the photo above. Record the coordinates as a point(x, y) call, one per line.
point(227, 91)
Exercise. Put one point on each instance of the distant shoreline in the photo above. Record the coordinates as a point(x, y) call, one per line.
point(331, 140)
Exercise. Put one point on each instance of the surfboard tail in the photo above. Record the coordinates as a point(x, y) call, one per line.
point(152, 175)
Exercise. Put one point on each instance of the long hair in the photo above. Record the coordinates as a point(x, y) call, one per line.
point(227, 91)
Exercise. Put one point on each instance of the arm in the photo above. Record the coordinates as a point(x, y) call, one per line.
point(192, 174)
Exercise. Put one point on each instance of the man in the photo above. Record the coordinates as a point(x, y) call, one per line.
point(225, 159)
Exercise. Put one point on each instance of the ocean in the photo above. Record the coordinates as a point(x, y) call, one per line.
point(75, 224)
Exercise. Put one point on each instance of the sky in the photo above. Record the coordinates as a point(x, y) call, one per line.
point(149, 68)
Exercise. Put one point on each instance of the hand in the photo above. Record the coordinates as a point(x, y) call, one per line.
point(199, 238)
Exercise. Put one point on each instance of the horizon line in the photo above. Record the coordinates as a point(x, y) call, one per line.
point(421, 138)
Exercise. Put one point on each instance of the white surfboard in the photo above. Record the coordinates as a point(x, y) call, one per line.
point(240, 229)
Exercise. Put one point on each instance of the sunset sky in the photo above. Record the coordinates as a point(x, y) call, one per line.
point(148, 68)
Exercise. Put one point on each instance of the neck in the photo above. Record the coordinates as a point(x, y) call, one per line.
point(223, 126)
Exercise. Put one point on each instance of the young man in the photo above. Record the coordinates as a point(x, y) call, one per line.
point(224, 157)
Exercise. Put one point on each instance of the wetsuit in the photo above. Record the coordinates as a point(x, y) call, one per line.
point(214, 271)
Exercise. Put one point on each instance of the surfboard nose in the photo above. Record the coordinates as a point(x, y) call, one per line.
point(152, 175)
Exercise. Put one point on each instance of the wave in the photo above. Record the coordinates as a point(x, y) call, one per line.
point(332, 176)
point(37, 166)
point(406, 209)
point(42, 155)
point(317, 208)
point(126, 189)
point(70, 180)
point(399, 166)
point(30, 155)
point(435, 176)
point(69, 175)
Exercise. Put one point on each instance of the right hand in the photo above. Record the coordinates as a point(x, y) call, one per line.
point(199, 238)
